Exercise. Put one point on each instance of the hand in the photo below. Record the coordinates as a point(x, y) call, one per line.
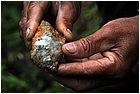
point(62, 14)
point(105, 55)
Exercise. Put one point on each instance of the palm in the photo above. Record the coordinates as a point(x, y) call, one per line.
point(107, 55)
point(82, 82)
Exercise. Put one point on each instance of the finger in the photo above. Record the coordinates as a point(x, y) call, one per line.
point(35, 13)
point(93, 57)
point(72, 59)
point(67, 14)
point(25, 8)
point(28, 44)
point(91, 67)
point(96, 56)
point(22, 25)
point(23, 19)
point(98, 42)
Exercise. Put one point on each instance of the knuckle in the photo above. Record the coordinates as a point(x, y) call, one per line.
point(20, 23)
point(107, 28)
point(37, 4)
point(25, 3)
point(64, 21)
point(86, 45)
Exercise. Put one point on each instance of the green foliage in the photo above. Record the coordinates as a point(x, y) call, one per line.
point(57, 88)
point(18, 72)
point(11, 81)
point(88, 22)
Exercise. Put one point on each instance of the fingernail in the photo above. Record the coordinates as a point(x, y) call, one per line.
point(24, 19)
point(70, 47)
point(28, 32)
point(69, 35)
point(69, 31)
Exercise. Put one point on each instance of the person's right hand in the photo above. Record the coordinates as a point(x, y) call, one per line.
point(63, 15)
point(101, 58)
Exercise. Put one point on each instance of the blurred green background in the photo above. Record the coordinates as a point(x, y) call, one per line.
point(18, 74)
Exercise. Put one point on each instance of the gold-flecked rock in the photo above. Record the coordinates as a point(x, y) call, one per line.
point(46, 47)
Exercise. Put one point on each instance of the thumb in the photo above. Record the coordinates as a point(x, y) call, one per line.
point(65, 29)
point(68, 13)
point(101, 41)
point(35, 13)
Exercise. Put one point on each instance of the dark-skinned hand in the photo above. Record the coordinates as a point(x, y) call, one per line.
point(61, 14)
point(105, 55)
point(92, 61)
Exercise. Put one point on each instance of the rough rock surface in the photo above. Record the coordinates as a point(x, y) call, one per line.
point(46, 47)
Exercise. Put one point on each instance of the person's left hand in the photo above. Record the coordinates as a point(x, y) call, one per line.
point(61, 14)
point(101, 57)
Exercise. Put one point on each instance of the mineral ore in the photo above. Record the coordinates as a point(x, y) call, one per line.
point(46, 47)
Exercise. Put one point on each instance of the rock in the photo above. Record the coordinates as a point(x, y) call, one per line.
point(46, 47)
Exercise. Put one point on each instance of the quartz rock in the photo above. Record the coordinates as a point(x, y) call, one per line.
point(46, 47)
